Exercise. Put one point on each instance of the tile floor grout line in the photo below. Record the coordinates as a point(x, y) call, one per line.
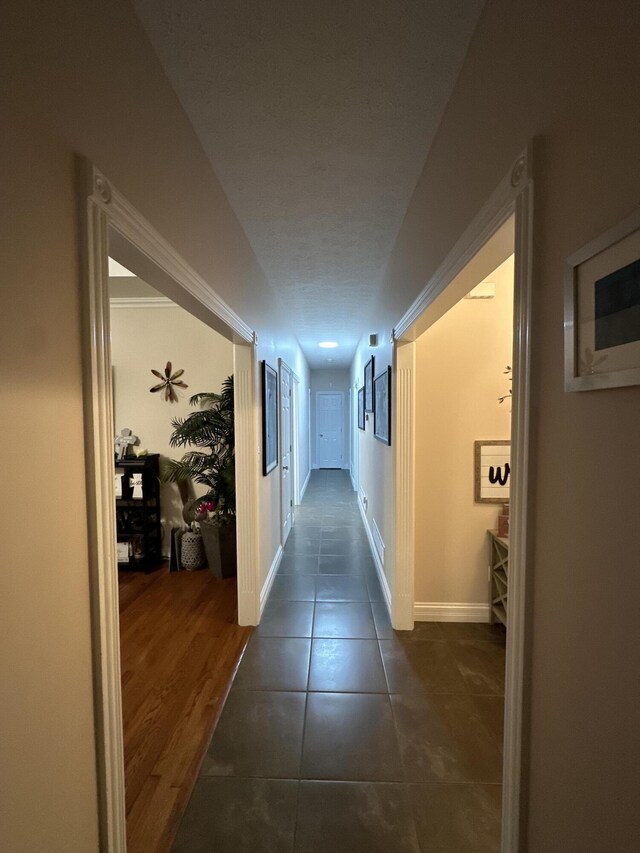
point(353, 558)
point(302, 739)
point(332, 781)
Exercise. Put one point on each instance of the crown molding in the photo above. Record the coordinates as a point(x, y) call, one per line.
point(142, 302)
point(129, 222)
point(487, 221)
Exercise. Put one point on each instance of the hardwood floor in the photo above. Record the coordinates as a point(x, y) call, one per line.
point(180, 645)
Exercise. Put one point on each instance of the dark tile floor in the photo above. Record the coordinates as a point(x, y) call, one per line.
point(340, 734)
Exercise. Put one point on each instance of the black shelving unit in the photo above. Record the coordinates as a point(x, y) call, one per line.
point(138, 519)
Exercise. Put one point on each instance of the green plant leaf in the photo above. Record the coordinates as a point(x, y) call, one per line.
point(210, 434)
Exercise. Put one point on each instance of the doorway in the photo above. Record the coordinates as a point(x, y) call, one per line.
point(463, 405)
point(504, 225)
point(329, 430)
point(112, 226)
point(169, 598)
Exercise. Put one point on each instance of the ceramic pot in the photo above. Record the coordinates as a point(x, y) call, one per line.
point(220, 547)
point(192, 551)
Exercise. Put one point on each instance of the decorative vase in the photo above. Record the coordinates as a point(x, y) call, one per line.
point(220, 547)
point(192, 551)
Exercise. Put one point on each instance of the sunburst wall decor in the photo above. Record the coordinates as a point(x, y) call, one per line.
point(170, 381)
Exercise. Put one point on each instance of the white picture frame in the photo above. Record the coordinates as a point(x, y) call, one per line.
point(602, 310)
point(492, 471)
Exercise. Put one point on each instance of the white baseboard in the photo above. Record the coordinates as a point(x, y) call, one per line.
point(304, 485)
point(271, 576)
point(386, 592)
point(437, 611)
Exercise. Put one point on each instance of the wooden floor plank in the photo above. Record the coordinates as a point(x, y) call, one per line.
point(180, 645)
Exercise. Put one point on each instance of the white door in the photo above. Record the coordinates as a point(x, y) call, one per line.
point(329, 427)
point(286, 480)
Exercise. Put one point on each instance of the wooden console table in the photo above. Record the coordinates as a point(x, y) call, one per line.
point(498, 577)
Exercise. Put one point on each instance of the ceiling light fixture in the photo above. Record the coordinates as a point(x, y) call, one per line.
point(328, 344)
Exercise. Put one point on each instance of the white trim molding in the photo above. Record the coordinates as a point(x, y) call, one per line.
point(513, 197)
point(386, 592)
point(142, 302)
point(491, 216)
point(271, 576)
point(108, 219)
point(245, 384)
point(105, 617)
point(378, 541)
point(125, 219)
point(520, 523)
point(439, 611)
point(305, 484)
point(404, 480)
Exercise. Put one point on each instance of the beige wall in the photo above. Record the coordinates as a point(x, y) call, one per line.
point(460, 363)
point(48, 796)
point(145, 338)
point(566, 73)
point(80, 78)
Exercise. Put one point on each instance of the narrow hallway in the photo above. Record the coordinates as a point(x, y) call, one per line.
point(340, 734)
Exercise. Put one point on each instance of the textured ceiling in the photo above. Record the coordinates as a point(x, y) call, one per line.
point(317, 119)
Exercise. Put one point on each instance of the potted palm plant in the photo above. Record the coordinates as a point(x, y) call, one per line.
point(211, 463)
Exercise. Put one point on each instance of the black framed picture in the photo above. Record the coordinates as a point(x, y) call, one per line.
point(269, 418)
point(361, 408)
point(369, 369)
point(382, 410)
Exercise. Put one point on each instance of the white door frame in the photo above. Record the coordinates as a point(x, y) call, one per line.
point(355, 444)
point(512, 197)
point(352, 416)
point(310, 432)
point(107, 215)
point(324, 394)
point(295, 440)
point(284, 367)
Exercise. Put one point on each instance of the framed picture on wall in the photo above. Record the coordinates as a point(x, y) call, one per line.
point(369, 401)
point(361, 408)
point(602, 311)
point(269, 418)
point(492, 471)
point(382, 406)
